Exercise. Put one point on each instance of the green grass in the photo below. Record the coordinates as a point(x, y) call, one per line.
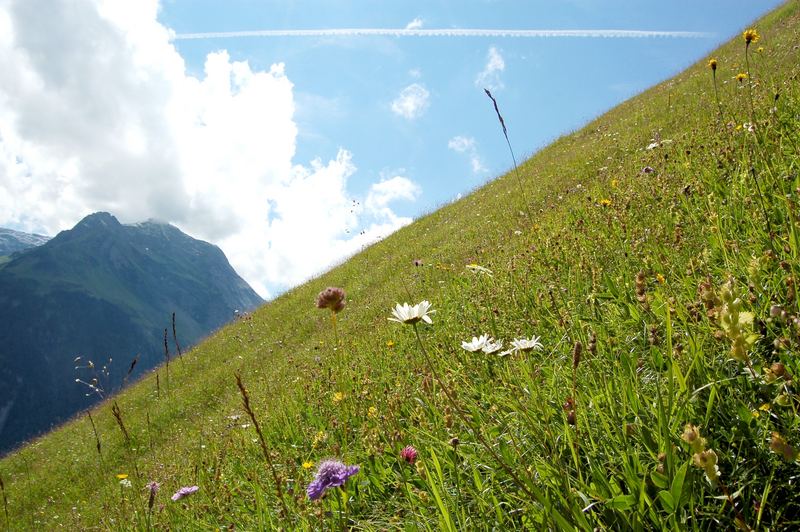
point(631, 264)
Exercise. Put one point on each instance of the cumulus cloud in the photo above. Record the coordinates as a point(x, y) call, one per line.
point(489, 77)
point(97, 112)
point(412, 101)
point(468, 147)
point(415, 24)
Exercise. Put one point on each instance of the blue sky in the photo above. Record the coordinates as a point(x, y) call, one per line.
point(345, 85)
point(282, 150)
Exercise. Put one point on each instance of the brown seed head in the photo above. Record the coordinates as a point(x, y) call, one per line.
point(576, 355)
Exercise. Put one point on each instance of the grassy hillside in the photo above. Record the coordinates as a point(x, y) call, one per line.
point(657, 265)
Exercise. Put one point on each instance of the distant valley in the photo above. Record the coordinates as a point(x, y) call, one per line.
point(104, 292)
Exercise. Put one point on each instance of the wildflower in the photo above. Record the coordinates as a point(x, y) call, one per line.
point(332, 298)
point(691, 435)
point(337, 398)
point(122, 476)
point(780, 446)
point(409, 454)
point(492, 347)
point(741, 76)
point(308, 464)
point(125, 483)
point(152, 487)
point(707, 460)
point(390, 344)
point(372, 412)
point(712, 63)
point(475, 268)
point(605, 202)
point(320, 437)
point(750, 35)
point(760, 49)
point(185, 492)
point(660, 278)
point(421, 469)
point(417, 262)
point(526, 344)
point(407, 314)
point(614, 183)
point(331, 474)
point(738, 325)
point(476, 344)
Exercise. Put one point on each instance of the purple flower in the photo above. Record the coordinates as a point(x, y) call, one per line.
point(409, 454)
point(331, 474)
point(153, 488)
point(184, 492)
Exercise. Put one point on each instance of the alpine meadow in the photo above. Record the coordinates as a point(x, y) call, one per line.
point(606, 337)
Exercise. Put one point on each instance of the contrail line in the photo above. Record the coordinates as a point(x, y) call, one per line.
point(443, 32)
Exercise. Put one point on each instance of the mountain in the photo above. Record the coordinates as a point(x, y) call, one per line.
point(104, 292)
point(12, 241)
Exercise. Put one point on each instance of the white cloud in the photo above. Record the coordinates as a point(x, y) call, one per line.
point(412, 101)
point(468, 146)
point(415, 24)
point(489, 77)
point(381, 194)
point(97, 112)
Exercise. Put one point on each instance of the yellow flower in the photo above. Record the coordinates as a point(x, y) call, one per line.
point(122, 476)
point(660, 278)
point(308, 464)
point(605, 202)
point(760, 49)
point(337, 398)
point(390, 344)
point(750, 35)
point(712, 63)
point(741, 76)
point(372, 412)
point(614, 183)
point(320, 437)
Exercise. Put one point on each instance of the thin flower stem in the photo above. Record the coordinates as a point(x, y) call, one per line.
point(464, 418)
point(716, 95)
point(749, 81)
point(249, 410)
point(335, 331)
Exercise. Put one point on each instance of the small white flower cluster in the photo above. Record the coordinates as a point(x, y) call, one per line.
point(490, 346)
point(483, 343)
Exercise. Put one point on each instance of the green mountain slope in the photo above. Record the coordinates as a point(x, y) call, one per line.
point(658, 268)
point(102, 291)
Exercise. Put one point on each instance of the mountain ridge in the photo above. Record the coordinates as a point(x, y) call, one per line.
point(103, 290)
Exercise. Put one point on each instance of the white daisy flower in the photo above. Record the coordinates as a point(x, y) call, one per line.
point(526, 344)
point(477, 343)
point(405, 313)
point(492, 347)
